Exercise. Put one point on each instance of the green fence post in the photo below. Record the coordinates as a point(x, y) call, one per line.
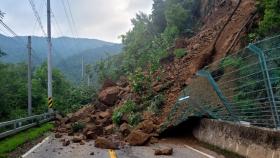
point(268, 85)
point(206, 74)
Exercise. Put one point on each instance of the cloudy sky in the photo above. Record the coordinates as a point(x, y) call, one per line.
point(100, 19)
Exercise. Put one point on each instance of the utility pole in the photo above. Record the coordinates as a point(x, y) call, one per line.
point(29, 77)
point(50, 99)
point(82, 67)
point(88, 81)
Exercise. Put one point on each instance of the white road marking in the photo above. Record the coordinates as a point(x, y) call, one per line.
point(35, 147)
point(209, 156)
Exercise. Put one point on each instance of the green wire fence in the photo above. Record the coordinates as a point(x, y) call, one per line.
point(243, 87)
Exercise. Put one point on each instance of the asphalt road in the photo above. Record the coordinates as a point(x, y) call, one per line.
point(52, 148)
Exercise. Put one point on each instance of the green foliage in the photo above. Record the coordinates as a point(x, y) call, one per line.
point(77, 127)
point(179, 53)
point(271, 21)
point(129, 109)
point(139, 81)
point(176, 15)
point(252, 37)
point(231, 62)
point(11, 143)
point(134, 119)
point(13, 93)
point(151, 36)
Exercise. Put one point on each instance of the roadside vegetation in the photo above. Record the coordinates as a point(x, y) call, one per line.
point(13, 94)
point(11, 143)
point(269, 23)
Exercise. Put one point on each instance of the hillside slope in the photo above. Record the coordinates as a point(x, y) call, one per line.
point(224, 26)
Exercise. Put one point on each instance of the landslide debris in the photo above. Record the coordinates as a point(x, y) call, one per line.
point(224, 25)
point(166, 151)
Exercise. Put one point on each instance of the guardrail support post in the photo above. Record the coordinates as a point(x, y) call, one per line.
point(208, 76)
point(15, 125)
point(254, 49)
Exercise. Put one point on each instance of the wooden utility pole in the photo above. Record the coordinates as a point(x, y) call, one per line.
point(29, 77)
point(50, 99)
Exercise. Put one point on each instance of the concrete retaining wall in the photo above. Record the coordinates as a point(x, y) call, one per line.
point(251, 142)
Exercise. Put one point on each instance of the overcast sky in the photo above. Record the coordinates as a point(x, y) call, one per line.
point(100, 19)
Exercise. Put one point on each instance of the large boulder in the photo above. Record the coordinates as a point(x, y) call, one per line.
point(104, 143)
point(137, 138)
point(147, 127)
point(109, 95)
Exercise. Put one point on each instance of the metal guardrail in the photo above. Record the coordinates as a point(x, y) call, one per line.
point(14, 126)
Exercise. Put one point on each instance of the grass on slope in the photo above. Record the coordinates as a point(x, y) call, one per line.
point(11, 143)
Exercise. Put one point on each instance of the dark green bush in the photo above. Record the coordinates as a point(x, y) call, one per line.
point(128, 108)
point(139, 81)
point(134, 118)
point(77, 127)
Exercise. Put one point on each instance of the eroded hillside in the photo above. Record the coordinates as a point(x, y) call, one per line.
point(118, 106)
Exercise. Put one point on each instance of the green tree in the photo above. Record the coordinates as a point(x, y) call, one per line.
point(270, 23)
point(176, 16)
point(158, 17)
point(13, 91)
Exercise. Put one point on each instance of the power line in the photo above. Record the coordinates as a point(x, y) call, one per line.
point(67, 17)
point(35, 24)
point(71, 15)
point(36, 14)
point(16, 39)
point(7, 28)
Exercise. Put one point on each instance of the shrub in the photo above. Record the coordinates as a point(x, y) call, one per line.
point(179, 53)
point(129, 108)
point(139, 81)
point(134, 119)
point(77, 126)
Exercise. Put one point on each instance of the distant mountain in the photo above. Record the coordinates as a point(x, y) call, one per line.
point(72, 66)
point(67, 52)
point(16, 50)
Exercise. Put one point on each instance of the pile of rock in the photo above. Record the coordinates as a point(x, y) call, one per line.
point(94, 122)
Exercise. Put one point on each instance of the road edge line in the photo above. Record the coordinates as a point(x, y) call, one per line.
point(207, 155)
point(35, 147)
